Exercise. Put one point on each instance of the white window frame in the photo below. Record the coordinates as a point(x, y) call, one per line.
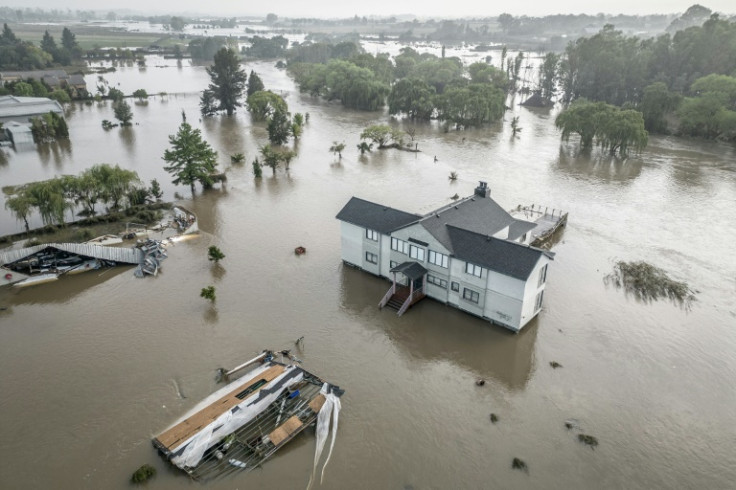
point(439, 259)
point(538, 301)
point(471, 295)
point(416, 253)
point(369, 256)
point(371, 234)
point(399, 245)
point(473, 270)
point(542, 275)
point(437, 281)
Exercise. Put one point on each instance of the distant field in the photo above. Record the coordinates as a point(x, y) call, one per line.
point(90, 37)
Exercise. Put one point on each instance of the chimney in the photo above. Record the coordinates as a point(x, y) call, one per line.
point(483, 190)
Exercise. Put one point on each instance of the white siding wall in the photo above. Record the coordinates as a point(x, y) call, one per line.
point(503, 233)
point(532, 289)
point(352, 243)
point(504, 296)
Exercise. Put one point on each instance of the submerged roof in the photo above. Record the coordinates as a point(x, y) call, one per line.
point(374, 216)
point(12, 106)
point(503, 256)
point(115, 254)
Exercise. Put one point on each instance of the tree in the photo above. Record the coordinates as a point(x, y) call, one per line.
point(191, 159)
point(227, 80)
point(21, 207)
point(257, 171)
point(583, 118)
point(656, 103)
point(364, 146)
point(621, 130)
point(69, 43)
point(115, 94)
point(123, 113)
point(255, 84)
point(413, 97)
point(279, 127)
point(381, 134)
point(515, 126)
point(271, 18)
point(548, 76)
point(214, 254)
point(155, 190)
point(177, 23)
point(264, 103)
point(140, 94)
point(60, 96)
point(48, 44)
point(209, 293)
point(337, 148)
point(272, 157)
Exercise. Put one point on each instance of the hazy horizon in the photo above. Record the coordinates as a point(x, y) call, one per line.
point(336, 9)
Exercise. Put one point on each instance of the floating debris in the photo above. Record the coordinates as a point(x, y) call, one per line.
point(555, 364)
point(300, 250)
point(588, 440)
point(649, 283)
point(246, 421)
point(480, 382)
point(143, 474)
point(494, 418)
point(519, 464)
point(572, 424)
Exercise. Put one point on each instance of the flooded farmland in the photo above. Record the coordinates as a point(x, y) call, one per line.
point(96, 364)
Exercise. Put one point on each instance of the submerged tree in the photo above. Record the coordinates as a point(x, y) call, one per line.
point(279, 127)
point(337, 149)
point(227, 83)
point(123, 113)
point(208, 293)
point(255, 84)
point(191, 159)
point(214, 254)
point(20, 206)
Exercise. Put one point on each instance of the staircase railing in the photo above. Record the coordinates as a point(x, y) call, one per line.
point(387, 296)
point(409, 300)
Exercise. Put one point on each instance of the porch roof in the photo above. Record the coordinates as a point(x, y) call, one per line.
point(412, 270)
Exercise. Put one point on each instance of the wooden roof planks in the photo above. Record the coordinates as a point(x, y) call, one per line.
point(181, 432)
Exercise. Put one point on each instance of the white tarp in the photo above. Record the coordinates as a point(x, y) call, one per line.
point(232, 420)
point(331, 408)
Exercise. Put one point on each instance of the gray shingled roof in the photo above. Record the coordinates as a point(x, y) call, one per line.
point(412, 270)
point(519, 227)
point(478, 214)
point(374, 216)
point(503, 256)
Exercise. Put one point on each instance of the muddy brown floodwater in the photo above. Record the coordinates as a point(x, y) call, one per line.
point(90, 364)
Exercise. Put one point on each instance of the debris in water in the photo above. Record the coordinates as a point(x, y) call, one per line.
point(480, 382)
point(518, 464)
point(589, 440)
point(572, 424)
point(494, 418)
point(143, 474)
point(300, 250)
point(178, 390)
point(649, 283)
point(555, 364)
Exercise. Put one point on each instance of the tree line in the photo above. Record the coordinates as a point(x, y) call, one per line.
point(101, 184)
point(16, 54)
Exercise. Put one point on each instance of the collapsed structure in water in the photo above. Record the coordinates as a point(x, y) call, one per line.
point(244, 423)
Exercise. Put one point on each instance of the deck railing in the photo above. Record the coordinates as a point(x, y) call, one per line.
point(410, 300)
point(387, 296)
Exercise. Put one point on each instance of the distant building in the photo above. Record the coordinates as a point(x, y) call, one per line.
point(470, 254)
point(22, 109)
point(56, 79)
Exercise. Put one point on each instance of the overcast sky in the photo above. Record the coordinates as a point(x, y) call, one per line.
point(420, 8)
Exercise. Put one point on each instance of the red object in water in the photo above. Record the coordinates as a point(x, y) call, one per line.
point(8, 276)
point(300, 250)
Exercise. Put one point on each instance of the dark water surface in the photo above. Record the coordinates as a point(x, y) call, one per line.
point(90, 364)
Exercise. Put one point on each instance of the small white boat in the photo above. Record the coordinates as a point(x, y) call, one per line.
point(39, 279)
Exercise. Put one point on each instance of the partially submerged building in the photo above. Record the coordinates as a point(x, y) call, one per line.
point(470, 254)
point(22, 109)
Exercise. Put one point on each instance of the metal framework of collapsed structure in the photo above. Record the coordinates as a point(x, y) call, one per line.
point(244, 423)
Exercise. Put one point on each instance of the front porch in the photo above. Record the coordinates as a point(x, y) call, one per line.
point(400, 297)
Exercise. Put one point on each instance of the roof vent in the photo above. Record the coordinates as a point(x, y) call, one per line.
point(483, 190)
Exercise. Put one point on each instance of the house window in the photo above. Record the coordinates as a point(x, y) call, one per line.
point(437, 258)
point(470, 295)
point(473, 269)
point(416, 253)
point(371, 235)
point(538, 303)
point(542, 275)
point(455, 286)
point(399, 245)
point(371, 257)
point(393, 264)
point(436, 281)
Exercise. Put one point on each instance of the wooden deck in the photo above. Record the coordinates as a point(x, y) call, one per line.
point(181, 432)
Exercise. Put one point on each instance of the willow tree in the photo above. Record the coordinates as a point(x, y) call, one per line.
point(227, 80)
point(191, 159)
point(21, 207)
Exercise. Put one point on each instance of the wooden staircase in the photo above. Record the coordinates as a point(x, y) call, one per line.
point(398, 298)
